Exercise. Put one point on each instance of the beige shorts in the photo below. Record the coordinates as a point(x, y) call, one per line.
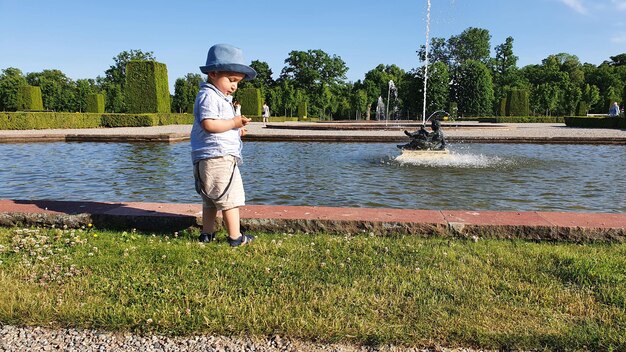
point(219, 183)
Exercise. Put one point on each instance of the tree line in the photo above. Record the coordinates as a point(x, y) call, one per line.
point(461, 75)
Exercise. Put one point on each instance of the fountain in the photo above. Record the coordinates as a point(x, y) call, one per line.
point(391, 90)
point(380, 109)
point(422, 143)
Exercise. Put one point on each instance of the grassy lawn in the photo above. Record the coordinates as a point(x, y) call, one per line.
point(363, 289)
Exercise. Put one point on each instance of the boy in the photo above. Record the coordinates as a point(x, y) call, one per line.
point(216, 142)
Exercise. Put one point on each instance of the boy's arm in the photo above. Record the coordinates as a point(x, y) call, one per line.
point(218, 126)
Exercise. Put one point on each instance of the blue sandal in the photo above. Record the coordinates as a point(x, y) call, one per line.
point(206, 237)
point(241, 241)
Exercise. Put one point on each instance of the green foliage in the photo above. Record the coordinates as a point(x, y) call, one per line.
point(263, 80)
point(522, 119)
point(302, 110)
point(95, 103)
point(85, 88)
point(57, 90)
point(251, 101)
point(10, 81)
point(596, 122)
point(517, 103)
point(502, 107)
point(582, 108)
point(475, 91)
point(146, 89)
point(185, 91)
point(29, 98)
point(453, 110)
point(130, 120)
point(175, 119)
point(46, 120)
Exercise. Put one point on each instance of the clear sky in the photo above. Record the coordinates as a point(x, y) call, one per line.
point(81, 37)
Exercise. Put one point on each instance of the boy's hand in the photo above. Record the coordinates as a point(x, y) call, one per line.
point(240, 121)
point(243, 132)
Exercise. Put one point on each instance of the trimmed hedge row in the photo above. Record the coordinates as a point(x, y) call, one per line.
point(274, 119)
point(522, 119)
point(146, 87)
point(95, 103)
point(251, 101)
point(29, 98)
point(595, 122)
point(45, 120)
point(303, 110)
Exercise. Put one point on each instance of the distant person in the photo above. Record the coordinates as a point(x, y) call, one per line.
point(237, 106)
point(216, 143)
point(614, 110)
point(266, 112)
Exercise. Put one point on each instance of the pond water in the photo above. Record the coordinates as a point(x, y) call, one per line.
point(474, 177)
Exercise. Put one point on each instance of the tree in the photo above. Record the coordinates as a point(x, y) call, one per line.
point(545, 97)
point(314, 67)
point(475, 90)
point(472, 44)
point(312, 71)
point(376, 82)
point(438, 51)
point(10, 81)
point(115, 78)
point(263, 80)
point(437, 87)
point(185, 91)
point(505, 72)
point(57, 90)
point(84, 87)
point(617, 60)
point(359, 102)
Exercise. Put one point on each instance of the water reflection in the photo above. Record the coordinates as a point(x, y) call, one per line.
point(476, 176)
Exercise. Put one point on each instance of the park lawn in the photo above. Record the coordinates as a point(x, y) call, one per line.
point(365, 289)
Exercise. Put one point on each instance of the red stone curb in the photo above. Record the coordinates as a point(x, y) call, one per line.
point(163, 217)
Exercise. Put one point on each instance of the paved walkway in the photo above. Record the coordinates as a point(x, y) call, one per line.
point(340, 132)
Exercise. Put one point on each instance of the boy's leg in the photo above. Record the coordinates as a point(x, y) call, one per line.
point(231, 219)
point(208, 219)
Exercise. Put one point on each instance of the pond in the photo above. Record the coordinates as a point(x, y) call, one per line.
point(525, 177)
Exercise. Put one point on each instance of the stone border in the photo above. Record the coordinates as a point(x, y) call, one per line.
point(165, 217)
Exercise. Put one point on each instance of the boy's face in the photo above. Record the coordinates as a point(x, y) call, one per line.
point(226, 82)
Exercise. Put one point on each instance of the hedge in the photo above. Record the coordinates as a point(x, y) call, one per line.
point(251, 101)
point(502, 107)
point(595, 122)
point(147, 89)
point(175, 119)
point(582, 108)
point(45, 120)
point(29, 98)
point(520, 119)
point(95, 103)
point(302, 110)
point(517, 103)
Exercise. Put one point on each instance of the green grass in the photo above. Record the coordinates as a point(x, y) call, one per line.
point(363, 289)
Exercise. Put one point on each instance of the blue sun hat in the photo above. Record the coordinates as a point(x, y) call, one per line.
point(225, 57)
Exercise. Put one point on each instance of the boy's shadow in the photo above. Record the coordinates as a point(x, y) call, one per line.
point(157, 217)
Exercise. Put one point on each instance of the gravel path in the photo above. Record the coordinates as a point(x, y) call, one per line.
point(40, 339)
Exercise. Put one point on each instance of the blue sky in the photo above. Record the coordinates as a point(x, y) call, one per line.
point(81, 37)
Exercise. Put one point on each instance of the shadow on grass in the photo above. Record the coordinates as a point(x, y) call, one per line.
point(115, 216)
